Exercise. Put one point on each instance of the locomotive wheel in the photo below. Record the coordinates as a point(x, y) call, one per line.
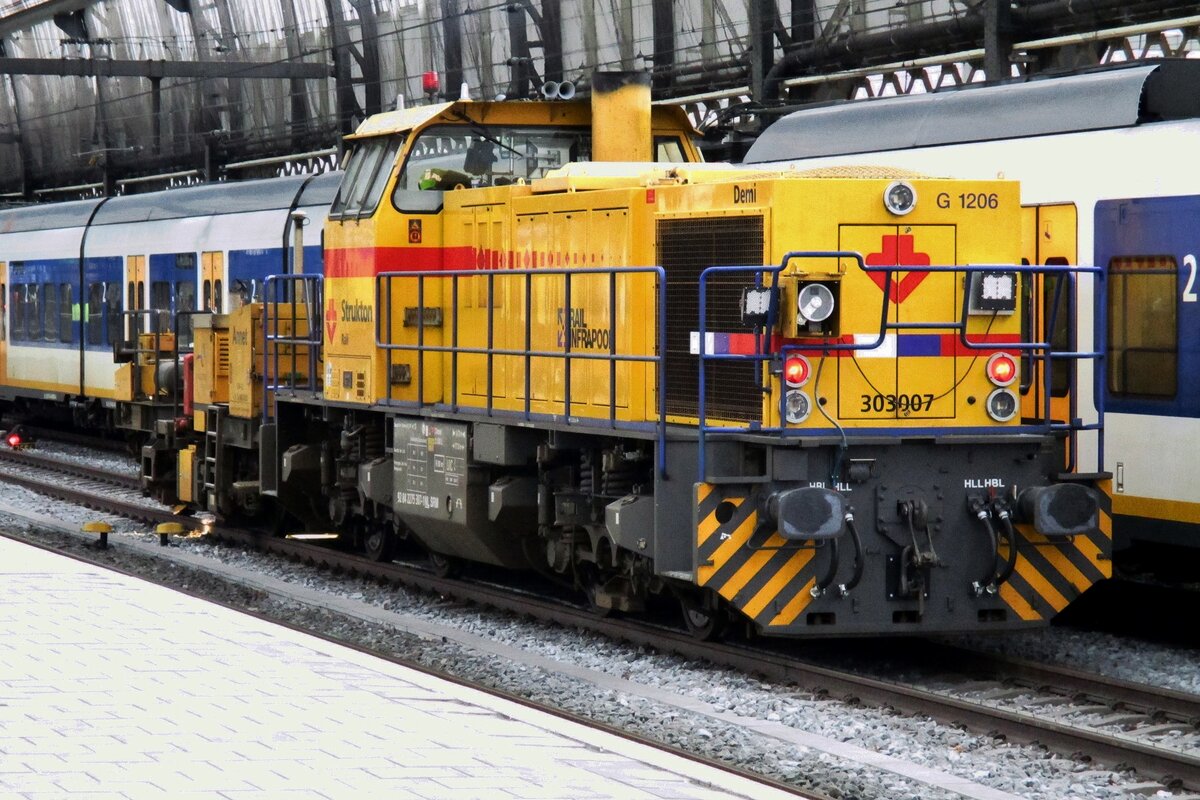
point(591, 589)
point(588, 579)
point(702, 623)
point(379, 544)
point(444, 566)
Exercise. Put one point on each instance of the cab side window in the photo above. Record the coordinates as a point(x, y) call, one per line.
point(367, 173)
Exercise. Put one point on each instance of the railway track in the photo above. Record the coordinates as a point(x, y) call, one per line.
point(104, 490)
point(1116, 723)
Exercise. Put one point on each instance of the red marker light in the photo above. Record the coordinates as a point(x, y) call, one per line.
point(1001, 369)
point(14, 440)
point(796, 370)
point(429, 82)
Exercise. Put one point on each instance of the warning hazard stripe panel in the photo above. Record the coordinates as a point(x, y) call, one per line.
point(1050, 574)
point(1011, 595)
point(768, 580)
point(723, 547)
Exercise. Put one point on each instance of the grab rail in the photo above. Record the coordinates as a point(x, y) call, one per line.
point(1039, 350)
point(384, 318)
point(300, 292)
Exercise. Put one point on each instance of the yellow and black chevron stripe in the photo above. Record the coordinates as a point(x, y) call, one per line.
point(764, 576)
point(1049, 575)
point(769, 579)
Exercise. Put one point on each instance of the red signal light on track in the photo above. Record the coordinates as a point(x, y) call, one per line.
point(796, 370)
point(14, 440)
point(1001, 369)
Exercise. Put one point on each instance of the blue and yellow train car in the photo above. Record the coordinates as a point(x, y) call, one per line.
point(98, 298)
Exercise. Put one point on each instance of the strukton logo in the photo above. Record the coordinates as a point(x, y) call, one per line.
point(331, 320)
point(897, 251)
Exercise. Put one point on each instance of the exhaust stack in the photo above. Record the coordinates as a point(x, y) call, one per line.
point(621, 117)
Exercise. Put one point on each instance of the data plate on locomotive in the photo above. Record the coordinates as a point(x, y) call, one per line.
point(431, 468)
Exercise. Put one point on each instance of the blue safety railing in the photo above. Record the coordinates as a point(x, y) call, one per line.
point(451, 279)
point(286, 335)
point(1040, 351)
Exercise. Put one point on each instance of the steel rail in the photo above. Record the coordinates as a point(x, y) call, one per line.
point(1169, 703)
point(38, 461)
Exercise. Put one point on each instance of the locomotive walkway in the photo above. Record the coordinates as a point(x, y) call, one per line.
point(111, 687)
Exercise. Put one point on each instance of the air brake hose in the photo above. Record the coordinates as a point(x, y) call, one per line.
point(827, 579)
point(1009, 533)
point(844, 589)
point(981, 512)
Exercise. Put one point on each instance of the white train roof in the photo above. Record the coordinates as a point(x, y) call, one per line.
point(1112, 98)
point(193, 201)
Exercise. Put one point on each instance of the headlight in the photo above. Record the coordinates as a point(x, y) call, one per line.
point(899, 198)
point(1002, 405)
point(814, 302)
point(993, 292)
point(756, 305)
point(797, 406)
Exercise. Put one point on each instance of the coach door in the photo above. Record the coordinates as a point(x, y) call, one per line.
point(1049, 237)
point(212, 281)
point(135, 297)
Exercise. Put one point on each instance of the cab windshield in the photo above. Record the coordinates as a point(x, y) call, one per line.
point(367, 171)
point(449, 156)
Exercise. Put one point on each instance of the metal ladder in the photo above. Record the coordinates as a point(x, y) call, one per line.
point(212, 446)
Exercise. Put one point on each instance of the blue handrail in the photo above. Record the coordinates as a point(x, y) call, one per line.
point(383, 338)
point(288, 289)
point(1038, 349)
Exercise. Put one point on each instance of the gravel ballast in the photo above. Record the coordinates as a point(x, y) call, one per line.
point(1022, 771)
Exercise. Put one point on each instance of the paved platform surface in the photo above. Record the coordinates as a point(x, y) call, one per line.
point(111, 687)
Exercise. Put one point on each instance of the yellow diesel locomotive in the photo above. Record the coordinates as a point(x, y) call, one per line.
point(547, 338)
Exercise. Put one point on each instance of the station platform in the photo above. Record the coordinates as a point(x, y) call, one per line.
point(112, 687)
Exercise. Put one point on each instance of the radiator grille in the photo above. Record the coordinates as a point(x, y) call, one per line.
point(687, 247)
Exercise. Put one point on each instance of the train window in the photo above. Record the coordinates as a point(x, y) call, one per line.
point(185, 300)
point(66, 313)
point(18, 313)
point(669, 150)
point(95, 313)
point(216, 298)
point(160, 301)
point(444, 157)
point(134, 321)
point(112, 311)
point(49, 321)
point(367, 173)
point(1143, 326)
point(33, 312)
point(1060, 336)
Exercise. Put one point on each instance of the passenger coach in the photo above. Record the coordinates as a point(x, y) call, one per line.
point(82, 282)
